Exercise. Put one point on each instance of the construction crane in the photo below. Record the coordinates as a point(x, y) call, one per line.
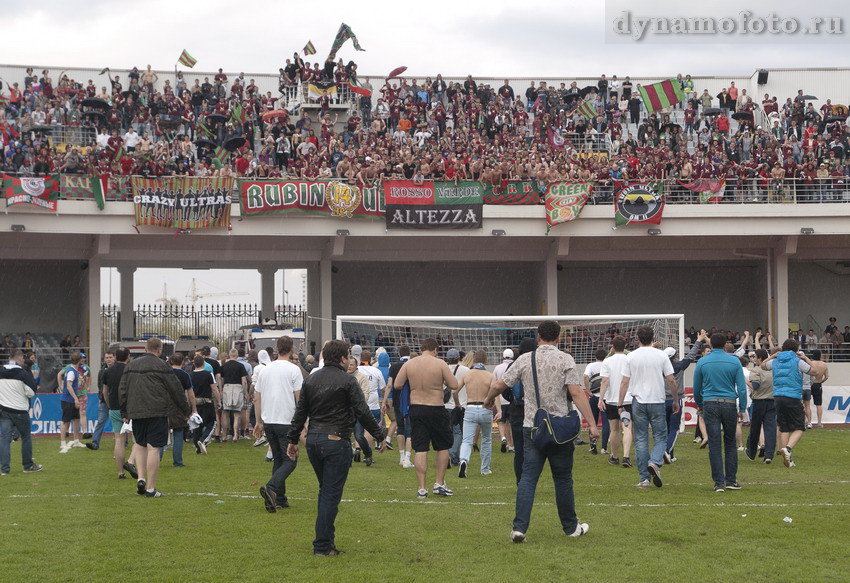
point(194, 296)
point(164, 299)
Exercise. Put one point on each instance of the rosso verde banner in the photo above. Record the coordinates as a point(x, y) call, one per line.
point(264, 197)
point(433, 205)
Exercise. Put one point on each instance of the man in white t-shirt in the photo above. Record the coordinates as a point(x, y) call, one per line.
point(275, 395)
point(612, 377)
point(458, 370)
point(373, 401)
point(647, 370)
point(593, 385)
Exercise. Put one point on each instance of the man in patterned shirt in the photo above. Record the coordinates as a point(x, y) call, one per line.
point(560, 387)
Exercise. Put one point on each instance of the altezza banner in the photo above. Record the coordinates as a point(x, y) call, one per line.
point(439, 216)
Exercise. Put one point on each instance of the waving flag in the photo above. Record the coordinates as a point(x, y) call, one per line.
point(359, 88)
point(709, 190)
point(186, 59)
point(309, 49)
point(586, 110)
point(343, 35)
point(661, 95)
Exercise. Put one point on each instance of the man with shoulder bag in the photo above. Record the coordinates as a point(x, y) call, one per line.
point(550, 425)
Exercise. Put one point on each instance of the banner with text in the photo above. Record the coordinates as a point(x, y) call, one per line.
point(513, 192)
point(85, 187)
point(265, 197)
point(40, 192)
point(433, 205)
point(564, 201)
point(182, 202)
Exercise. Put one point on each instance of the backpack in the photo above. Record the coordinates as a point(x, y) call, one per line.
point(595, 382)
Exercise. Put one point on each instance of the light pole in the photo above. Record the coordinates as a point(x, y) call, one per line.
point(286, 295)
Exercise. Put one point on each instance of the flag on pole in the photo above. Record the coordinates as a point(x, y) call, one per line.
point(661, 95)
point(99, 186)
point(237, 116)
point(343, 35)
point(104, 71)
point(586, 110)
point(220, 157)
point(204, 129)
point(359, 88)
point(186, 59)
point(317, 89)
point(309, 49)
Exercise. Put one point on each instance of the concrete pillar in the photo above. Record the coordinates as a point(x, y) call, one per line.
point(320, 327)
point(94, 326)
point(325, 273)
point(128, 326)
point(782, 299)
point(267, 292)
point(549, 282)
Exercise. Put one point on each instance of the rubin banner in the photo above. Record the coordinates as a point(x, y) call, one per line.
point(182, 203)
point(433, 205)
point(265, 197)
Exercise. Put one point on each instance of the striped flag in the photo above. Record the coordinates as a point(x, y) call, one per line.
point(318, 89)
point(204, 129)
point(586, 110)
point(359, 88)
point(343, 35)
point(186, 59)
point(309, 49)
point(661, 95)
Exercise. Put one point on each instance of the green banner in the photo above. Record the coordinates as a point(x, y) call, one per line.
point(513, 192)
point(463, 192)
point(82, 187)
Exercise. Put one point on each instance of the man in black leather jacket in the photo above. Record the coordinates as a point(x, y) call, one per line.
point(331, 398)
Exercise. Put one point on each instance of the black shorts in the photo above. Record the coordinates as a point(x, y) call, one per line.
point(152, 431)
point(430, 425)
point(506, 414)
point(790, 415)
point(613, 414)
point(207, 412)
point(817, 394)
point(69, 412)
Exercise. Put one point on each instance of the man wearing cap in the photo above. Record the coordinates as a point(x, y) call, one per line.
point(719, 386)
point(456, 412)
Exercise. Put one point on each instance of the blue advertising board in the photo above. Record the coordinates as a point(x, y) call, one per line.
point(46, 414)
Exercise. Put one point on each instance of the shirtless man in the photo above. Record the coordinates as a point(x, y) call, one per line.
point(149, 77)
point(822, 370)
point(429, 418)
point(477, 382)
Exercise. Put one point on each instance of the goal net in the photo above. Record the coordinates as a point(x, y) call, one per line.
point(581, 336)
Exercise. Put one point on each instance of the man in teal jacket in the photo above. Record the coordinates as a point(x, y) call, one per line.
point(788, 368)
point(720, 392)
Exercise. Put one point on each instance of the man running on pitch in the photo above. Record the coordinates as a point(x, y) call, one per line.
point(429, 418)
point(477, 382)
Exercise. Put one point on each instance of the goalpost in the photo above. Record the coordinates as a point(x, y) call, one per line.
point(581, 335)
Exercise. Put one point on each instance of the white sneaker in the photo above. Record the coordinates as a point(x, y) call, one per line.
point(406, 464)
point(808, 425)
point(261, 441)
point(64, 448)
point(581, 530)
point(741, 449)
point(77, 443)
point(517, 536)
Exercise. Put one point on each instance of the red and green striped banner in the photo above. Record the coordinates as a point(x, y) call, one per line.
point(186, 59)
point(37, 191)
point(309, 49)
point(182, 202)
point(586, 110)
point(661, 95)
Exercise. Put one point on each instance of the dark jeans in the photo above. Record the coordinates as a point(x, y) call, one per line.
point(177, 446)
point(519, 443)
point(722, 417)
point(606, 428)
point(102, 416)
point(283, 466)
point(560, 459)
point(331, 460)
point(8, 423)
point(763, 417)
point(360, 438)
point(673, 422)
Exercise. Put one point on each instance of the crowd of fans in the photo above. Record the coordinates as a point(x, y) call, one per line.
point(429, 129)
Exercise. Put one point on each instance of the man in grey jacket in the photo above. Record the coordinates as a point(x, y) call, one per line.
point(148, 393)
point(17, 387)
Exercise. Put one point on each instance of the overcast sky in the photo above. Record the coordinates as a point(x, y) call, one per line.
point(487, 38)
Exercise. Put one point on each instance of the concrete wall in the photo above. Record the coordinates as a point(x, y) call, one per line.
point(436, 288)
point(816, 294)
point(730, 296)
point(42, 296)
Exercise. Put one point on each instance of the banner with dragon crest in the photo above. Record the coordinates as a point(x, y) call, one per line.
point(338, 199)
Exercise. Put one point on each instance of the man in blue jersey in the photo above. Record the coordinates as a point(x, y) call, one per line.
point(788, 368)
point(720, 392)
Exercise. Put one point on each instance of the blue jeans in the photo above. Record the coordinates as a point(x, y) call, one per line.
point(331, 460)
point(561, 463)
point(673, 422)
point(283, 466)
point(102, 416)
point(360, 434)
point(519, 441)
point(8, 423)
point(721, 417)
point(644, 416)
point(177, 446)
point(763, 417)
point(454, 451)
point(606, 427)
point(472, 418)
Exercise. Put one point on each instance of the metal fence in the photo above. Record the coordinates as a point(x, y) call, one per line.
point(218, 322)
